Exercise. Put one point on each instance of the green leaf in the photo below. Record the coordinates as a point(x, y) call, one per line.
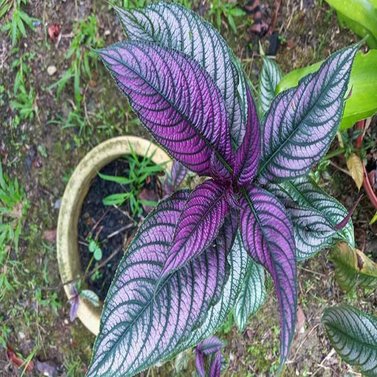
point(360, 16)
point(353, 334)
point(252, 295)
point(353, 268)
point(111, 178)
point(97, 254)
point(363, 100)
point(115, 199)
point(269, 79)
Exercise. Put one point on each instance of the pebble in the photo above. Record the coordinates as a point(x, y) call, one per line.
point(51, 70)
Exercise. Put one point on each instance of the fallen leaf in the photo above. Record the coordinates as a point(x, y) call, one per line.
point(54, 31)
point(355, 167)
point(300, 320)
point(17, 361)
point(49, 235)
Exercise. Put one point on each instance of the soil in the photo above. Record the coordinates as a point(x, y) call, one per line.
point(109, 226)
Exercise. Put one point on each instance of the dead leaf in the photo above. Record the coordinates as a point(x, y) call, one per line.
point(353, 267)
point(49, 235)
point(17, 361)
point(54, 31)
point(301, 319)
point(356, 168)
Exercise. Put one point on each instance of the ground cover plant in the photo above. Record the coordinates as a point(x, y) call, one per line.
point(171, 289)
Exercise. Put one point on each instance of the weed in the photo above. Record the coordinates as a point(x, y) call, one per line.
point(13, 208)
point(23, 99)
point(83, 60)
point(16, 26)
point(220, 9)
point(140, 169)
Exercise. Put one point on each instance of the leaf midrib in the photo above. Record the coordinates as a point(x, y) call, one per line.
point(295, 129)
point(200, 135)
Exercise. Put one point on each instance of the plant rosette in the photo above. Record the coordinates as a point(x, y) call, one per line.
point(366, 182)
point(73, 198)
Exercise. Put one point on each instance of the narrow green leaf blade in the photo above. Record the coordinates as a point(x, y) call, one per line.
point(353, 334)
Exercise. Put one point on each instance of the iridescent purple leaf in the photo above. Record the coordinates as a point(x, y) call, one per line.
point(141, 325)
point(303, 121)
point(200, 363)
point(248, 154)
point(198, 225)
point(173, 26)
point(314, 215)
point(267, 234)
point(239, 262)
point(175, 99)
point(215, 368)
point(210, 345)
point(175, 178)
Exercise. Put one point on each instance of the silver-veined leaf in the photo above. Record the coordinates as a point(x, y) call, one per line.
point(252, 295)
point(176, 27)
point(270, 77)
point(303, 121)
point(267, 235)
point(353, 334)
point(145, 319)
point(314, 215)
point(175, 99)
point(239, 263)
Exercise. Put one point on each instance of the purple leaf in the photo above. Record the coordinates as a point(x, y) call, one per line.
point(175, 99)
point(201, 219)
point(248, 154)
point(174, 178)
point(215, 368)
point(140, 324)
point(206, 348)
point(303, 121)
point(74, 301)
point(210, 345)
point(175, 27)
point(200, 363)
point(267, 234)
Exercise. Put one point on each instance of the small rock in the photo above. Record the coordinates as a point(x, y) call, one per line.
point(51, 70)
point(21, 335)
point(107, 32)
point(58, 204)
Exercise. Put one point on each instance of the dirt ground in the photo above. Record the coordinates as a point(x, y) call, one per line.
point(43, 152)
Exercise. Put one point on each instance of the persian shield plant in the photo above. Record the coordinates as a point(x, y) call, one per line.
point(200, 254)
